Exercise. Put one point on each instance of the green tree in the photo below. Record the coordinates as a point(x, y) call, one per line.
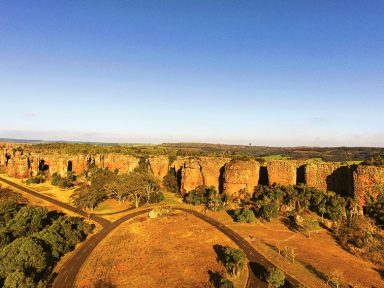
point(28, 220)
point(18, 279)
point(310, 225)
point(25, 255)
point(244, 215)
point(268, 211)
point(225, 283)
point(89, 197)
point(275, 278)
point(234, 260)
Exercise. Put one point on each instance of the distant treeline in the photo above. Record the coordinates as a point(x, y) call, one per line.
point(329, 154)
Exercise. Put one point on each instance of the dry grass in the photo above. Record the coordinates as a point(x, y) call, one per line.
point(317, 256)
point(171, 251)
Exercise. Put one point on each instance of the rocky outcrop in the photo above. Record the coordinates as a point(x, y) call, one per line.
point(18, 167)
point(330, 177)
point(317, 174)
point(368, 181)
point(212, 169)
point(240, 175)
point(120, 162)
point(283, 172)
point(159, 166)
point(191, 176)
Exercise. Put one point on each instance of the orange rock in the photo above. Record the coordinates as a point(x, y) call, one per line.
point(368, 180)
point(240, 175)
point(159, 166)
point(191, 176)
point(283, 172)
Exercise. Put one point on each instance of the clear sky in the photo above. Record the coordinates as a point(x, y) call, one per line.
point(276, 73)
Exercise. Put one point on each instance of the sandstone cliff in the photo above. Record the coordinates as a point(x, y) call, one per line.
point(282, 172)
point(241, 175)
point(191, 176)
point(368, 180)
point(159, 166)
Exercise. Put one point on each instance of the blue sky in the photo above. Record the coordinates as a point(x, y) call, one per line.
point(279, 73)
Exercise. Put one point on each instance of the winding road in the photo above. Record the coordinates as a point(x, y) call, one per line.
point(258, 264)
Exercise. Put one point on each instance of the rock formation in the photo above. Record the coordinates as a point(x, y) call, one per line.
point(191, 176)
point(228, 176)
point(241, 175)
point(282, 172)
point(368, 181)
point(159, 166)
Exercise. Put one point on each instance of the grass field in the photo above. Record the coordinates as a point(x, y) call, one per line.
point(169, 251)
point(316, 256)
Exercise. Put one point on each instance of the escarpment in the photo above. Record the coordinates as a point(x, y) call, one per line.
point(368, 182)
point(226, 175)
point(241, 175)
point(159, 166)
point(282, 172)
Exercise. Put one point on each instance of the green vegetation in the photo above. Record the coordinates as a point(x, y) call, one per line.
point(38, 179)
point(269, 202)
point(275, 157)
point(360, 236)
point(137, 186)
point(375, 208)
point(310, 225)
point(170, 181)
point(338, 154)
point(275, 277)
point(63, 182)
point(244, 215)
point(32, 241)
point(233, 259)
point(377, 160)
point(207, 196)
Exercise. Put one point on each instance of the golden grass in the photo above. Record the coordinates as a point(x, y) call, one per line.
point(321, 252)
point(170, 251)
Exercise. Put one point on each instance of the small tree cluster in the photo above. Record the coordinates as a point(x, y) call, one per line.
point(233, 260)
point(207, 196)
point(244, 215)
point(137, 186)
point(63, 182)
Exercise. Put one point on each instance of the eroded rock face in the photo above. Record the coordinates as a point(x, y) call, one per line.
point(368, 180)
point(241, 175)
point(18, 167)
point(330, 177)
point(317, 175)
point(212, 170)
point(123, 163)
point(159, 166)
point(191, 176)
point(283, 172)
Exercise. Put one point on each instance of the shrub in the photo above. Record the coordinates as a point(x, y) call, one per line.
point(245, 215)
point(36, 180)
point(268, 211)
point(275, 277)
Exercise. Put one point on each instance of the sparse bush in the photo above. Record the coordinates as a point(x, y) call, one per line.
point(275, 277)
point(36, 180)
point(360, 236)
point(244, 215)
